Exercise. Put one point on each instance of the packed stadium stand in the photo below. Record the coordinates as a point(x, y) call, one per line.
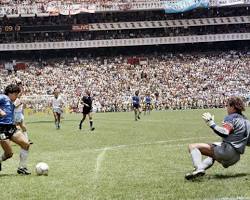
point(193, 59)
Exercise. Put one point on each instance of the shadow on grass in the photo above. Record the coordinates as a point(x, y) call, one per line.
point(9, 175)
point(36, 122)
point(227, 176)
point(221, 176)
point(48, 121)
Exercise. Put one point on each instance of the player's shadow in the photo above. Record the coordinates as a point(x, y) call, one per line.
point(9, 175)
point(221, 176)
point(228, 176)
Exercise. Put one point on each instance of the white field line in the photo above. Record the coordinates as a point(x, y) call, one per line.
point(99, 160)
point(151, 143)
point(101, 156)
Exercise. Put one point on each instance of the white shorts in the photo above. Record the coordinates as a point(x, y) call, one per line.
point(57, 110)
point(18, 117)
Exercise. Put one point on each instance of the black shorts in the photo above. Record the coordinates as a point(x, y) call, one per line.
point(136, 106)
point(86, 111)
point(6, 131)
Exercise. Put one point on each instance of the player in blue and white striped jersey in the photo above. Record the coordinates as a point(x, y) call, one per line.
point(147, 102)
point(136, 105)
point(8, 130)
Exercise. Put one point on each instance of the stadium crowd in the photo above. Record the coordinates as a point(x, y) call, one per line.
point(175, 81)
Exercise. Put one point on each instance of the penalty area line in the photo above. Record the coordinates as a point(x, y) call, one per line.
point(150, 143)
point(99, 160)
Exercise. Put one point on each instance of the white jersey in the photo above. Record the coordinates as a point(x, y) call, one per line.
point(18, 106)
point(57, 102)
point(18, 111)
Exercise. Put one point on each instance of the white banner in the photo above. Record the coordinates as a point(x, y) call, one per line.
point(229, 2)
point(68, 9)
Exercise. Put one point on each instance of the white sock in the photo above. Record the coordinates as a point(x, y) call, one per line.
point(196, 157)
point(206, 163)
point(23, 158)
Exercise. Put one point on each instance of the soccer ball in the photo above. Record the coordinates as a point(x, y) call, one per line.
point(42, 168)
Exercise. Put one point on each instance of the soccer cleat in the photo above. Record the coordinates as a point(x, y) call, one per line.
point(195, 174)
point(80, 127)
point(30, 142)
point(92, 128)
point(23, 171)
point(138, 117)
point(0, 166)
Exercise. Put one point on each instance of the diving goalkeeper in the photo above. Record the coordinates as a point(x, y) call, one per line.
point(235, 131)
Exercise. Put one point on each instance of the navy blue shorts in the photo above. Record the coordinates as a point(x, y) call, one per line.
point(136, 106)
point(6, 131)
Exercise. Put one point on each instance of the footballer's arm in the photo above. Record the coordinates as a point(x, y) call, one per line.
point(223, 131)
point(2, 113)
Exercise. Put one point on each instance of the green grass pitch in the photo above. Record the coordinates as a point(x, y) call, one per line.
point(122, 159)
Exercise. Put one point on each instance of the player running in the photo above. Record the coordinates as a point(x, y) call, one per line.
point(136, 105)
point(87, 101)
point(8, 130)
point(57, 107)
point(19, 112)
point(147, 102)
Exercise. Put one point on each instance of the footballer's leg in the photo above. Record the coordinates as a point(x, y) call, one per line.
point(24, 130)
point(58, 120)
point(8, 153)
point(149, 109)
point(135, 111)
point(139, 113)
point(82, 120)
point(23, 142)
point(91, 122)
point(196, 151)
point(207, 163)
point(55, 117)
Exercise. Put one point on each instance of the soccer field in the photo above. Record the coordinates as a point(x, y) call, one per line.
point(122, 159)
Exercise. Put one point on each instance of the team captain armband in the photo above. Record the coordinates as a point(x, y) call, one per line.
point(228, 126)
point(221, 131)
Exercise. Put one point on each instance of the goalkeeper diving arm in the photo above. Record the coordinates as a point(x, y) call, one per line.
point(221, 131)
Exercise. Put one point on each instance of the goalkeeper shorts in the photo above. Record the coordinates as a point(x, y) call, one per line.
point(225, 154)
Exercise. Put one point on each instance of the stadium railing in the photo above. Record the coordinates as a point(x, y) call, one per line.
point(26, 9)
point(125, 42)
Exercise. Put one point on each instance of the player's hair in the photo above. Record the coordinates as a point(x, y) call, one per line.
point(88, 92)
point(12, 88)
point(237, 103)
point(56, 90)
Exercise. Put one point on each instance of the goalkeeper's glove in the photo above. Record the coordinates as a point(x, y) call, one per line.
point(209, 119)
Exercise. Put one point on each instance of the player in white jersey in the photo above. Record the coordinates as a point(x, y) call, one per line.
point(57, 107)
point(19, 112)
point(235, 134)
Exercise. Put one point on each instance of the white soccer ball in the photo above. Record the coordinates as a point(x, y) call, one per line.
point(42, 168)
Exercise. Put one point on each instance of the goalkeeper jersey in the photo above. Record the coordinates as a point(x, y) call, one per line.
point(239, 131)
